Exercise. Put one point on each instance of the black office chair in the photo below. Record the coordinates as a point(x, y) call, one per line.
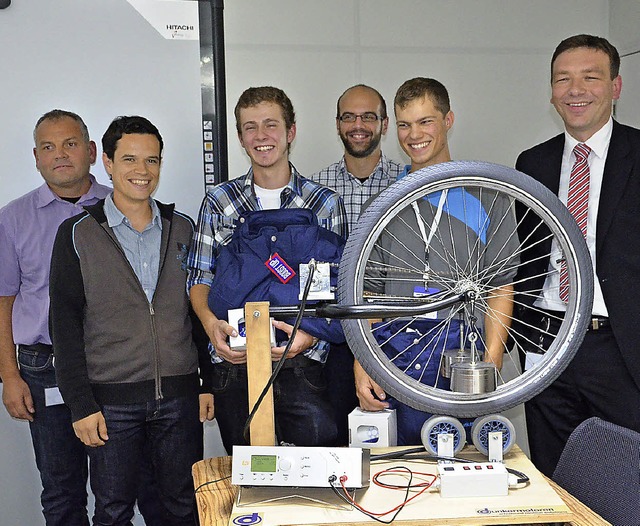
point(600, 465)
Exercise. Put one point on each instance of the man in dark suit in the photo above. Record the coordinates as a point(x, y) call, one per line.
point(604, 378)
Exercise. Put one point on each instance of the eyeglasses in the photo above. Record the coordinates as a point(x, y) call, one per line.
point(367, 116)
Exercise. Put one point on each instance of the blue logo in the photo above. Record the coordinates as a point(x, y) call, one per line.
point(246, 520)
point(182, 255)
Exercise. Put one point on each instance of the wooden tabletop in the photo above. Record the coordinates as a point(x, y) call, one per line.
point(215, 496)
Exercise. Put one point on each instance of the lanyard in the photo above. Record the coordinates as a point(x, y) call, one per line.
point(432, 231)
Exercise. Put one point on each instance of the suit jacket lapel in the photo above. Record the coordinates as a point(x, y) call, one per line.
point(551, 164)
point(617, 169)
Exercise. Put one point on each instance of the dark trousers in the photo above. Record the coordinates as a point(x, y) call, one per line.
point(303, 414)
point(171, 432)
point(410, 422)
point(595, 383)
point(338, 370)
point(60, 456)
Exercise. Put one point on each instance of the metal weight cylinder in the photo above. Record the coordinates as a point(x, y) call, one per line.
point(473, 377)
point(451, 356)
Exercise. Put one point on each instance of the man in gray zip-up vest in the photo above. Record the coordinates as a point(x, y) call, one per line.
point(126, 361)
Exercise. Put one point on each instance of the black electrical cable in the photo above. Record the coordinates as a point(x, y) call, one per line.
point(522, 477)
point(418, 452)
point(209, 482)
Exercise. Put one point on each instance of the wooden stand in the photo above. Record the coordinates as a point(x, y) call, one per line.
point(263, 426)
point(216, 496)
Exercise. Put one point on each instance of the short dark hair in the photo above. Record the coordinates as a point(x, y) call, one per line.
point(55, 115)
point(591, 42)
point(383, 104)
point(254, 96)
point(124, 125)
point(421, 87)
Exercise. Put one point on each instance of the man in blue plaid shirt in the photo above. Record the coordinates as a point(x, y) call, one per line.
point(265, 122)
point(363, 171)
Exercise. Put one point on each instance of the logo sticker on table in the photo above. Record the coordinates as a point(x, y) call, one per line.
point(247, 519)
point(280, 268)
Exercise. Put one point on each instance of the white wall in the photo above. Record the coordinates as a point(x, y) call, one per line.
point(625, 15)
point(493, 55)
point(100, 60)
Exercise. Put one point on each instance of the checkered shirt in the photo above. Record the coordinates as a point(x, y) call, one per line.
point(356, 193)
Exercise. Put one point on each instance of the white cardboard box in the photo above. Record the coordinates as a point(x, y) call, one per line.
point(373, 428)
point(236, 320)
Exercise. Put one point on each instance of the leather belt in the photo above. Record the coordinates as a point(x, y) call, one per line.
point(597, 323)
point(38, 347)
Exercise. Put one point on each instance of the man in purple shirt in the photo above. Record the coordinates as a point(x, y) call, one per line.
point(64, 154)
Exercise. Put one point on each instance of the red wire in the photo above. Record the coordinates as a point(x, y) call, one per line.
point(424, 485)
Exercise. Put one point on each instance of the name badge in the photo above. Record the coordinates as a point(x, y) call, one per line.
point(280, 268)
point(52, 396)
point(531, 360)
point(422, 292)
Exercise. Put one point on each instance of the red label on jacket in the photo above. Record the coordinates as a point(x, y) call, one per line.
point(280, 268)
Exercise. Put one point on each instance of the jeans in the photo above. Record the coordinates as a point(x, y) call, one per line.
point(60, 456)
point(339, 372)
point(303, 413)
point(171, 431)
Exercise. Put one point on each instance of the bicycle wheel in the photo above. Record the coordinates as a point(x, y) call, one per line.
point(491, 236)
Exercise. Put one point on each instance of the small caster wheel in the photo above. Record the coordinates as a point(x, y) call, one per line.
point(485, 425)
point(437, 425)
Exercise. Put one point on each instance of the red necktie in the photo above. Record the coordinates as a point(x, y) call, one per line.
point(577, 203)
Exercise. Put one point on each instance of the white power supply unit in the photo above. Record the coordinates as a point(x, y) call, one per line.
point(482, 479)
point(295, 466)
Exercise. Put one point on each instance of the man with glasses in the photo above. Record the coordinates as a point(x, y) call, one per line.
point(363, 171)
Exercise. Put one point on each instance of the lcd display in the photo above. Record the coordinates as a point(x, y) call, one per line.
point(263, 463)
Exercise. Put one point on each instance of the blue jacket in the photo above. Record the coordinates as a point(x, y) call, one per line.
point(242, 273)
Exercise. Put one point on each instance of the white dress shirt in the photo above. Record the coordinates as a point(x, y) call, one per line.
point(599, 144)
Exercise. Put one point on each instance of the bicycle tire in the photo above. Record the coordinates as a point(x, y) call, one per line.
point(486, 183)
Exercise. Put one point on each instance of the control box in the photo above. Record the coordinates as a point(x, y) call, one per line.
point(293, 466)
point(481, 479)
